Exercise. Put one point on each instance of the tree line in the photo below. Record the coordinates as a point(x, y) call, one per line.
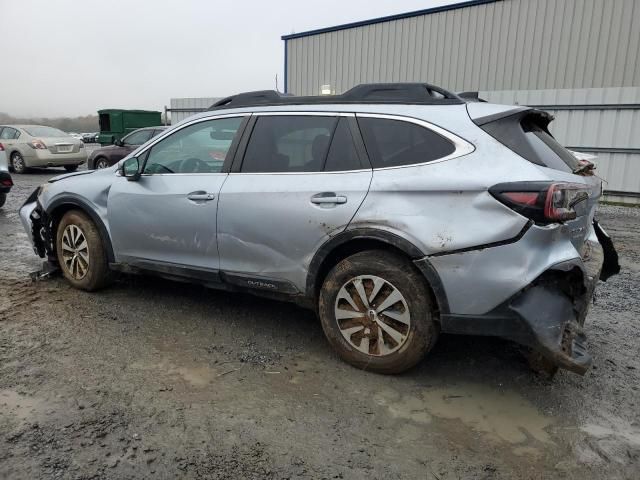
point(88, 123)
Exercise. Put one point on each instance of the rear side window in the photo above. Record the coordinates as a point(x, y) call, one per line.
point(289, 143)
point(527, 135)
point(395, 143)
point(6, 134)
point(137, 138)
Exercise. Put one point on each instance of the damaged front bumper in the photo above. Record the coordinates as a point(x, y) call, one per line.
point(37, 225)
point(548, 315)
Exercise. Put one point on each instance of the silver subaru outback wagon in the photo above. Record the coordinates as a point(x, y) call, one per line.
point(395, 211)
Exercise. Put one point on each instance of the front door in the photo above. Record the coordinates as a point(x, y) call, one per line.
point(166, 220)
point(300, 182)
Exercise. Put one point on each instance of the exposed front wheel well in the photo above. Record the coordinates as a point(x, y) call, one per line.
point(58, 211)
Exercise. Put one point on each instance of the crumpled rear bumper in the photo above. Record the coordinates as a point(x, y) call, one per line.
point(548, 315)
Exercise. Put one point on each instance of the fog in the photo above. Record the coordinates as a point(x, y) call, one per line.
point(67, 58)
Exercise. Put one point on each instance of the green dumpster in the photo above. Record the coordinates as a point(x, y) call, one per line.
point(115, 124)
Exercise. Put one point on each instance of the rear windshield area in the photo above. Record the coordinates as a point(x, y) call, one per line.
point(526, 133)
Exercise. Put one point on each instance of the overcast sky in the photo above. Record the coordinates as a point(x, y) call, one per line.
point(67, 58)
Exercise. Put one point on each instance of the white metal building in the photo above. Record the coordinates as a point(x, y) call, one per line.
point(182, 108)
point(578, 59)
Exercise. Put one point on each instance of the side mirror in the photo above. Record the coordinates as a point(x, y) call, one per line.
point(119, 143)
point(130, 169)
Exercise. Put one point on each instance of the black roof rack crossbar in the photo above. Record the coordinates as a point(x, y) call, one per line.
point(396, 93)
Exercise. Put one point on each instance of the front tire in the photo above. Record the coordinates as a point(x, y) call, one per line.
point(17, 163)
point(71, 168)
point(81, 253)
point(376, 311)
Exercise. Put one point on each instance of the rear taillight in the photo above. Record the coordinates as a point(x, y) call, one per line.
point(6, 182)
point(38, 145)
point(542, 202)
point(1, 148)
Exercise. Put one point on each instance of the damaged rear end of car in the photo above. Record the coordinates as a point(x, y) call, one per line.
point(563, 247)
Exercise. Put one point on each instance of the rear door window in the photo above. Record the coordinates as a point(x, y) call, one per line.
point(137, 138)
point(8, 133)
point(288, 143)
point(395, 143)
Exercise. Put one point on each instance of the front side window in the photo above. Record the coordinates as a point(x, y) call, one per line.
point(395, 143)
point(137, 138)
point(198, 148)
point(289, 143)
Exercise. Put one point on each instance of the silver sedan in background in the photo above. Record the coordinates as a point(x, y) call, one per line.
point(40, 146)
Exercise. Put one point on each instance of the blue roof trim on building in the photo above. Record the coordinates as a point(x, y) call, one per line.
point(389, 18)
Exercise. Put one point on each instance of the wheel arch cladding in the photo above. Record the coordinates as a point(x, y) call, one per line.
point(61, 206)
point(357, 240)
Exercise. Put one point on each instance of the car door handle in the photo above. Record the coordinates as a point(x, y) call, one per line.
point(331, 197)
point(201, 196)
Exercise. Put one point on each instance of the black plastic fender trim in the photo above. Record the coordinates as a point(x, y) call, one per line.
point(77, 201)
point(365, 233)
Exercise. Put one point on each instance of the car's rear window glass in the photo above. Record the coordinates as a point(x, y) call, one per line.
point(526, 136)
point(394, 143)
point(342, 153)
point(288, 143)
point(36, 131)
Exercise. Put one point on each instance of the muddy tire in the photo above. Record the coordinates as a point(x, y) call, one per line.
point(376, 311)
point(81, 253)
point(71, 168)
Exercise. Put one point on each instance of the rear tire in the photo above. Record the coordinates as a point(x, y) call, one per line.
point(81, 253)
point(71, 168)
point(3, 199)
point(397, 326)
point(18, 164)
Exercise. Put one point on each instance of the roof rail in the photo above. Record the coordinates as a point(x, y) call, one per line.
point(395, 93)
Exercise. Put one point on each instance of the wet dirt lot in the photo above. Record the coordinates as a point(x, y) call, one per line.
point(155, 379)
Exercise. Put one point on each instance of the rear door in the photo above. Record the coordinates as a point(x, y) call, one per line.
point(299, 180)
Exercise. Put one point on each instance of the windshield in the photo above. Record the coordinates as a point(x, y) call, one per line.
point(36, 131)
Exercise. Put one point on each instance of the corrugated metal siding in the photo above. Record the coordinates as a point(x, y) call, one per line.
point(190, 106)
point(506, 45)
point(610, 128)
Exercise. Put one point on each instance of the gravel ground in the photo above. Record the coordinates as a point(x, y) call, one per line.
point(154, 379)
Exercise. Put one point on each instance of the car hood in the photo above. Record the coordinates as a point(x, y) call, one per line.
point(67, 175)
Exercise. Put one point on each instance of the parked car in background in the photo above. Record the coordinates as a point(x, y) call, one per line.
point(5, 179)
point(75, 135)
point(395, 211)
point(40, 146)
point(90, 137)
point(106, 156)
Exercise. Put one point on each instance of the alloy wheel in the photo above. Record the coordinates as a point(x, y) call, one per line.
point(372, 315)
point(17, 162)
point(75, 251)
point(102, 164)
